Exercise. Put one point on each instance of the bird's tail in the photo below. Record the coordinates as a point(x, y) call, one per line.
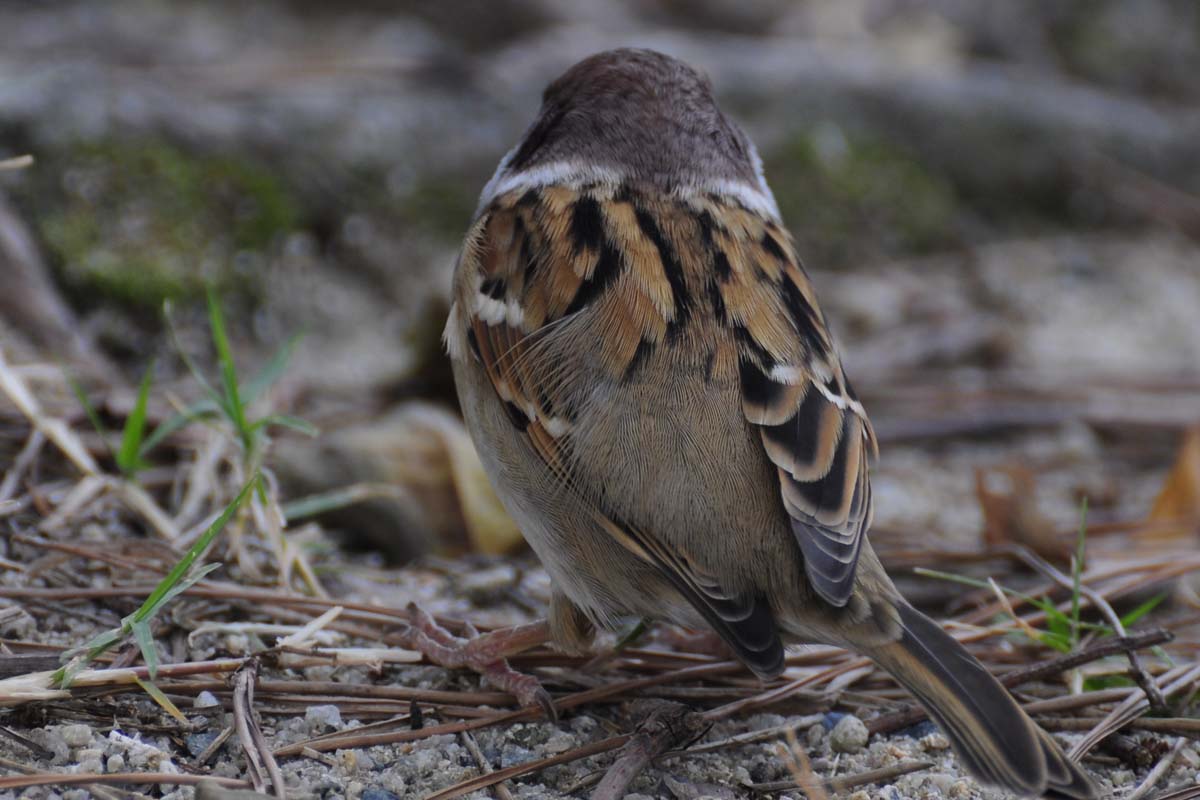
point(996, 740)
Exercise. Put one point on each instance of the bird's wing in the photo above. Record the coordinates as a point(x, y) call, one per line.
point(813, 428)
point(532, 261)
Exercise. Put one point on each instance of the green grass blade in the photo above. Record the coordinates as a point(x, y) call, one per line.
point(89, 410)
point(161, 592)
point(129, 459)
point(158, 696)
point(229, 382)
point(1131, 617)
point(254, 388)
point(197, 412)
point(213, 394)
point(186, 583)
point(1077, 570)
point(145, 642)
point(314, 504)
point(286, 421)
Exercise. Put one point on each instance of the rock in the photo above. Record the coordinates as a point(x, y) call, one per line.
point(849, 735)
point(197, 743)
point(90, 760)
point(934, 741)
point(831, 719)
point(323, 716)
point(378, 794)
point(77, 735)
point(816, 735)
point(205, 699)
point(115, 763)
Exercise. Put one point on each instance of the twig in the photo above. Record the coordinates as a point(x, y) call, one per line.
point(216, 744)
point(119, 778)
point(491, 779)
point(258, 753)
point(844, 783)
point(668, 725)
point(801, 768)
point(1134, 706)
point(1157, 703)
point(472, 746)
point(33, 446)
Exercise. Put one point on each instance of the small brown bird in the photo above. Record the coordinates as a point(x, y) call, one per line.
point(656, 396)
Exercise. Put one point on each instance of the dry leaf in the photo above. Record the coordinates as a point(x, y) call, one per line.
point(1175, 517)
point(1012, 517)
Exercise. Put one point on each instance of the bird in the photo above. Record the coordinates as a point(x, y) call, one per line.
point(655, 394)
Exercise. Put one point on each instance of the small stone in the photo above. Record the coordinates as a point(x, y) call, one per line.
point(815, 735)
point(324, 716)
point(849, 735)
point(375, 793)
point(205, 699)
point(832, 718)
point(935, 741)
point(197, 743)
point(1121, 777)
point(960, 790)
point(90, 759)
point(920, 730)
point(77, 735)
point(559, 743)
point(860, 795)
point(115, 763)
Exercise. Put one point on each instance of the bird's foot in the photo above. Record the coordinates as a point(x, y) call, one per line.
point(486, 654)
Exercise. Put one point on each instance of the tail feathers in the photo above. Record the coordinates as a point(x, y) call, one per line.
point(995, 739)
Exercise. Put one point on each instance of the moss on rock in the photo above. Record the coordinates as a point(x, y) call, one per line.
point(139, 222)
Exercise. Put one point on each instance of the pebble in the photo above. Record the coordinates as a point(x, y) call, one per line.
point(935, 741)
point(115, 763)
point(378, 794)
point(77, 735)
point(815, 735)
point(323, 716)
point(849, 735)
point(832, 718)
point(90, 760)
point(205, 699)
point(1121, 777)
point(197, 743)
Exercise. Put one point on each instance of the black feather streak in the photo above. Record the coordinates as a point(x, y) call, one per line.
point(609, 267)
point(493, 288)
point(640, 355)
point(516, 416)
point(804, 317)
point(671, 268)
point(757, 388)
point(798, 435)
point(587, 224)
point(771, 245)
point(765, 361)
point(718, 301)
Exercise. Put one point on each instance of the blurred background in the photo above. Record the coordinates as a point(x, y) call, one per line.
point(999, 204)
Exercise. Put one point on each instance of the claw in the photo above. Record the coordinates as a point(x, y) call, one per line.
point(485, 654)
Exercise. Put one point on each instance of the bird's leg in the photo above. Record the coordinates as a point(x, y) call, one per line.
point(485, 653)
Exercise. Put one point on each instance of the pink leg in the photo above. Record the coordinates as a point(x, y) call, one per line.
point(486, 654)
